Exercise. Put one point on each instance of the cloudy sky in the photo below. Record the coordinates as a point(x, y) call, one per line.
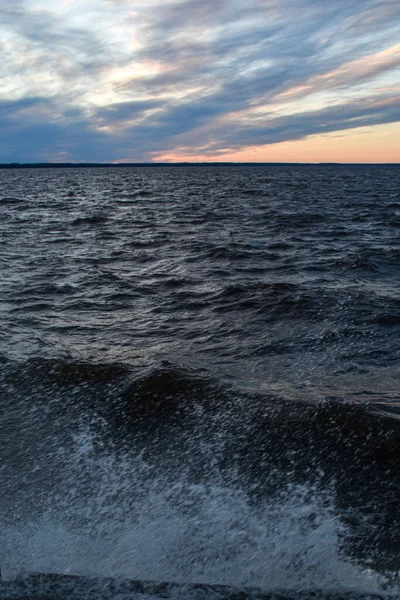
point(207, 80)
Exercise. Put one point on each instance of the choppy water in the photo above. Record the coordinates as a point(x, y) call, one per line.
point(200, 374)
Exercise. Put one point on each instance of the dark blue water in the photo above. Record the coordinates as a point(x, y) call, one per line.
point(200, 374)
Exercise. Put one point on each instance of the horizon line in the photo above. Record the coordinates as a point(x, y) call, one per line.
point(82, 164)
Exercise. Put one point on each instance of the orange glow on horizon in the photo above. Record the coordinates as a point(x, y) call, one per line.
point(378, 144)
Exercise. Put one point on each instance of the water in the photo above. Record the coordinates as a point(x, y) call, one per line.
point(199, 374)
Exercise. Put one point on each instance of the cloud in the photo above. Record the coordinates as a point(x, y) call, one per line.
point(101, 79)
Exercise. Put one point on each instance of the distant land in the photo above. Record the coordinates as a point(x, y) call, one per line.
point(68, 165)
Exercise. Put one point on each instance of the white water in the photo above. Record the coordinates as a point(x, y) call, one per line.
point(117, 517)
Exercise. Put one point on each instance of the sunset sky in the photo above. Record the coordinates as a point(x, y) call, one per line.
point(200, 80)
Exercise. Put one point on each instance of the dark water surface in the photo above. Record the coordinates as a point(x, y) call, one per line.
point(199, 373)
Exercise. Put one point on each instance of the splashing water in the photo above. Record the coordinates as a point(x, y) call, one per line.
point(114, 516)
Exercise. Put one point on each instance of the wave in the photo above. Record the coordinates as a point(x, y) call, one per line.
point(278, 300)
point(90, 220)
point(11, 200)
point(66, 586)
point(137, 194)
point(373, 259)
point(60, 372)
point(108, 440)
point(292, 221)
point(114, 515)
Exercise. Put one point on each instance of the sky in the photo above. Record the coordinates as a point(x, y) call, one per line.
point(200, 80)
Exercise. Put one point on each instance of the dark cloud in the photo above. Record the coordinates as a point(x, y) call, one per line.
point(29, 135)
point(122, 111)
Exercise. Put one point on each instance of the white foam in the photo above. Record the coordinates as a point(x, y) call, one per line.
point(117, 517)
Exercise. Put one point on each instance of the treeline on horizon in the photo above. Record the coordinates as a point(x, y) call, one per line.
point(71, 165)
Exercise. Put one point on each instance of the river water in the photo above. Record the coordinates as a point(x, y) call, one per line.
point(199, 374)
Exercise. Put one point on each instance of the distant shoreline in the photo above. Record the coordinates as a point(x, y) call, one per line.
point(81, 165)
